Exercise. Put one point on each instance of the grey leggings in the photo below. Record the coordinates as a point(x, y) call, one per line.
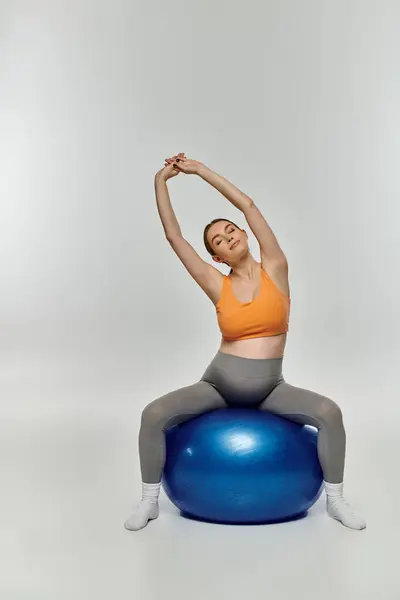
point(234, 381)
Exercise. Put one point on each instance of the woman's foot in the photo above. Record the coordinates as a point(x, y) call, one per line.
point(145, 511)
point(338, 508)
point(342, 511)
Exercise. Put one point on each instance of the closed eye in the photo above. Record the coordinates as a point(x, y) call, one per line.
point(219, 241)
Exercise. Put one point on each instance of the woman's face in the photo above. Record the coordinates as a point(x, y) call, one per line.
point(227, 241)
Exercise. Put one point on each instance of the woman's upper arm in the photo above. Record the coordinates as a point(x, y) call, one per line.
point(278, 272)
point(270, 249)
point(207, 276)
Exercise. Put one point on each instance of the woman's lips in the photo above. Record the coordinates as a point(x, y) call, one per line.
point(235, 244)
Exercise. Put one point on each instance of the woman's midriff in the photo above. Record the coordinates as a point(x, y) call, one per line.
point(266, 347)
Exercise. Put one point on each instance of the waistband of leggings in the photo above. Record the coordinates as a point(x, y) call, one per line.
point(249, 367)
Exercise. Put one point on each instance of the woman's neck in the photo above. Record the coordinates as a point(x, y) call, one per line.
point(247, 270)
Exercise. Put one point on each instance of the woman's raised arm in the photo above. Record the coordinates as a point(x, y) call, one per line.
point(205, 275)
point(164, 206)
point(270, 250)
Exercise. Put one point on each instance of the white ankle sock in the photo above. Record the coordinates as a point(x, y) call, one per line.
point(151, 492)
point(147, 509)
point(339, 509)
point(334, 490)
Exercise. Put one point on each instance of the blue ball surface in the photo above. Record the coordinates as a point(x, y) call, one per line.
point(239, 465)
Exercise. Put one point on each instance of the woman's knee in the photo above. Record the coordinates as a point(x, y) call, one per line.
point(154, 415)
point(330, 413)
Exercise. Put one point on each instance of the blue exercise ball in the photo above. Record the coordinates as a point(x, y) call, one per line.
point(239, 465)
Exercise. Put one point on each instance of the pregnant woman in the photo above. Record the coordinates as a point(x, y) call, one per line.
point(252, 306)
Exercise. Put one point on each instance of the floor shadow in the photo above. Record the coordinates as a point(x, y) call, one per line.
point(263, 522)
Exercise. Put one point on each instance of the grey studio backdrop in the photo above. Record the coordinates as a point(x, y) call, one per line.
point(294, 102)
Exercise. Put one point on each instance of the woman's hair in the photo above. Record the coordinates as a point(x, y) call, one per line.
point(207, 227)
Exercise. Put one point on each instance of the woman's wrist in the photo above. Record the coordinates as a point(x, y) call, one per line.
point(160, 177)
point(203, 170)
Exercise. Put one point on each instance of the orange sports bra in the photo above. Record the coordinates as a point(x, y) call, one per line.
point(266, 315)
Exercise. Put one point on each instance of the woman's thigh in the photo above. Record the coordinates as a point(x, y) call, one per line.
point(301, 405)
point(183, 404)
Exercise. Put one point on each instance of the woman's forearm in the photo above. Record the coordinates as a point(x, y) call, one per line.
point(227, 189)
point(165, 210)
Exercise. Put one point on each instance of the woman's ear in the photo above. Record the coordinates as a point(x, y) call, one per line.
point(217, 259)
